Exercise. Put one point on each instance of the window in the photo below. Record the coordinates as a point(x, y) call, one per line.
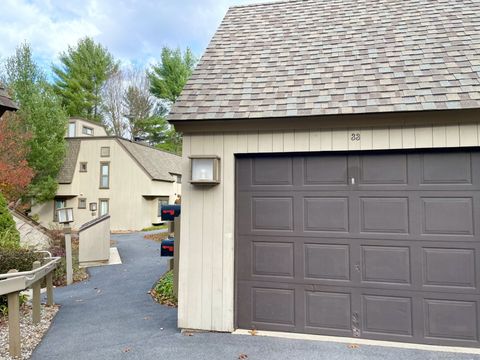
point(105, 151)
point(104, 207)
point(83, 167)
point(82, 203)
point(163, 200)
point(58, 204)
point(104, 175)
point(71, 129)
point(179, 179)
point(87, 130)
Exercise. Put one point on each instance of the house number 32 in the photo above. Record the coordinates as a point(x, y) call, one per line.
point(355, 137)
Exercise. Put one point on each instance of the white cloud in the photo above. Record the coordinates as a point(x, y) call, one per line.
point(133, 30)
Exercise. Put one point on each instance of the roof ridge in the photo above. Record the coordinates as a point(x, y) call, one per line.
point(147, 146)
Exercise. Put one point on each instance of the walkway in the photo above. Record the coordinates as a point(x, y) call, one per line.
point(111, 316)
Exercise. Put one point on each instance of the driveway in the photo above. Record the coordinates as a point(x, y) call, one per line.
point(111, 316)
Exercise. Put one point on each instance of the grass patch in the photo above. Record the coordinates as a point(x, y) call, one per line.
point(162, 292)
point(157, 237)
point(155, 227)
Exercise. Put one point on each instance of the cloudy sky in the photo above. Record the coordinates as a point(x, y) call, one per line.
point(133, 30)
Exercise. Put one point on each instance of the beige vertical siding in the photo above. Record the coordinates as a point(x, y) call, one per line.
point(129, 208)
point(206, 297)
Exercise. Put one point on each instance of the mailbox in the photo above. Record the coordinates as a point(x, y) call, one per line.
point(167, 247)
point(170, 212)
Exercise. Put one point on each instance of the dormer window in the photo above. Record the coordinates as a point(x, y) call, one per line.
point(87, 131)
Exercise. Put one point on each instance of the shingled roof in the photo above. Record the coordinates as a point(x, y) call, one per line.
point(160, 165)
point(311, 57)
point(6, 102)
point(65, 176)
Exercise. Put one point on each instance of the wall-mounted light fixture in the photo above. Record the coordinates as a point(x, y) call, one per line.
point(205, 170)
point(92, 207)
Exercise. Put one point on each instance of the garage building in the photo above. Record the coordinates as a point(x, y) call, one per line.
point(345, 136)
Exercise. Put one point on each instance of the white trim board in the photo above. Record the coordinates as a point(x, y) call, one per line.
point(346, 340)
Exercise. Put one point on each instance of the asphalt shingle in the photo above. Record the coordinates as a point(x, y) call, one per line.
point(310, 57)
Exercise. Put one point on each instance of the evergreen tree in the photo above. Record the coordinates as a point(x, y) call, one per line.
point(43, 117)
point(167, 80)
point(79, 80)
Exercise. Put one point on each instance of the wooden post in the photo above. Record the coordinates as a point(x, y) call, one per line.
point(171, 227)
point(176, 255)
point(14, 347)
point(36, 297)
point(49, 279)
point(68, 254)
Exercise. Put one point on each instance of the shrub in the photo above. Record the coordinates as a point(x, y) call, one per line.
point(18, 259)
point(163, 290)
point(9, 235)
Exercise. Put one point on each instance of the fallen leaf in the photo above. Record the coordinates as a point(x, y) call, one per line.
point(146, 318)
point(127, 349)
point(253, 332)
point(243, 356)
point(353, 346)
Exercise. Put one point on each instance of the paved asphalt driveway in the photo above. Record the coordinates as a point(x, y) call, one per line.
point(111, 316)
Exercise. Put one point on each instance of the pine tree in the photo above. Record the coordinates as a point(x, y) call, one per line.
point(79, 80)
point(167, 80)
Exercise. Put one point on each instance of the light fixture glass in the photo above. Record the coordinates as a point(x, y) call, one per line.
point(65, 215)
point(93, 206)
point(205, 170)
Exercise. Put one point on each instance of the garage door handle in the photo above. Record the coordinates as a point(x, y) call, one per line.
point(357, 267)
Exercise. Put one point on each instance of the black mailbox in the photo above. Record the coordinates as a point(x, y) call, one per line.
point(170, 212)
point(167, 247)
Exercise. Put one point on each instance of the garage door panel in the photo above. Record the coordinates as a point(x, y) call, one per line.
point(384, 214)
point(273, 305)
point(449, 267)
point(328, 311)
point(326, 214)
point(451, 319)
point(386, 264)
point(449, 168)
point(271, 170)
point(391, 255)
point(273, 259)
point(272, 213)
point(448, 215)
point(327, 261)
point(326, 170)
point(387, 315)
point(383, 169)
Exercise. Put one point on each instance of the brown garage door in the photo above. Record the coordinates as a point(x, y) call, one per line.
point(372, 245)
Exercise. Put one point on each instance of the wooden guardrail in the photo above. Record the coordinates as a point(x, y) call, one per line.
point(13, 282)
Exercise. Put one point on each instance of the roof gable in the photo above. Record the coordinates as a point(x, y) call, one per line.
point(158, 165)
point(310, 57)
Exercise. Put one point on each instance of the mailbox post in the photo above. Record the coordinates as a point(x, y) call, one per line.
point(65, 217)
